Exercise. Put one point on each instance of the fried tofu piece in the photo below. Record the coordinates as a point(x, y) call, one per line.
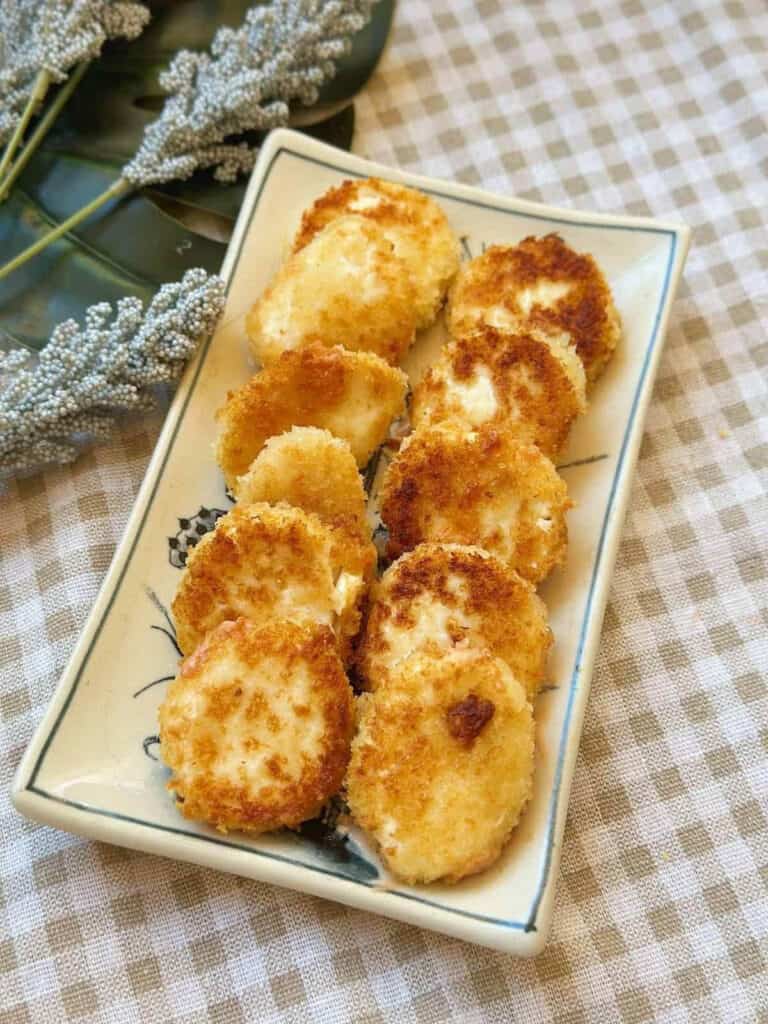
point(354, 395)
point(257, 726)
point(451, 485)
point(312, 470)
point(272, 561)
point(443, 597)
point(413, 222)
point(541, 283)
point(526, 380)
point(442, 764)
point(346, 287)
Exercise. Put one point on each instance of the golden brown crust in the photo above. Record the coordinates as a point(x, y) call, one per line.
point(346, 287)
point(441, 596)
point(442, 805)
point(263, 561)
point(519, 380)
point(312, 470)
point(413, 222)
point(354, 395)
point(389, 209)
point(483, 487)
point(257, 725)
point(495, 281)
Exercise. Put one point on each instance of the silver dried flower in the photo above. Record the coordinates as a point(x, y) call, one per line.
point(283, 52)
point(86, 374)
point(68, 33)
point(50, 37)
point(18, 60)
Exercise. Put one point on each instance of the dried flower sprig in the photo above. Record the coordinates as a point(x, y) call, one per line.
point(283, 52)
point(42, 42)
point(111, 364)
point(19, 60)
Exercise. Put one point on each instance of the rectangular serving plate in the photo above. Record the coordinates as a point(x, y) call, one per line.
point(91, 767)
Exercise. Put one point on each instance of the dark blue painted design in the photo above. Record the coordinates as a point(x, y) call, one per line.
point(334, 845)
point(582, 462)
point(153, 682)
point(147, 743)
point(191, 529)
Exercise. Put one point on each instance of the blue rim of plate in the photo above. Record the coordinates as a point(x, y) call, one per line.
point(524, 926)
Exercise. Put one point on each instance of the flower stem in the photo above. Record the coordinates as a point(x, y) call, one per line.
point(36, 97)
point(117, 188)
point(42, 129)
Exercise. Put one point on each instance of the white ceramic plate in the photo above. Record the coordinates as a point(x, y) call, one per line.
point(91, 767)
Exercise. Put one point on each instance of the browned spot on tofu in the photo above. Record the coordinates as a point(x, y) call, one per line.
point(468, 717)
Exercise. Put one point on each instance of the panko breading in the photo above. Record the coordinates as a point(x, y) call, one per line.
point(346, 287)
point(442, 764)
point(545, 284)
point(414, 224)
point(313, 470)
point(272, 561)
point(526, 381)
point(354, 395)
point(440, 597)
point(451, 485)
point(256, 728)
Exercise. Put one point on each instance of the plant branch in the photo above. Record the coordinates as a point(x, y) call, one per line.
point(36, 97)
point(110, 362)
point(283, 52)
point(118, 188)
point(42, 129)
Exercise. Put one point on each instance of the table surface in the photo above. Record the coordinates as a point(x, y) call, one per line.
point(636, 107)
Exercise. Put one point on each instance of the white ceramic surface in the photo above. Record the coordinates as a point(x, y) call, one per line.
point(91, 767)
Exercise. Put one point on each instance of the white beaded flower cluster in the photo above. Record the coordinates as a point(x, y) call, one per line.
point(54, 36)
point(18, 60)
point(284, 51)
point(87, 374)
point(71, 31)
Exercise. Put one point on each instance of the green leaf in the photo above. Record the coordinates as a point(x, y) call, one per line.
point(129, 248)
point(133, 246)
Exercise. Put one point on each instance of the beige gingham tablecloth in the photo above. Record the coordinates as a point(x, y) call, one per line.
point(642, 107)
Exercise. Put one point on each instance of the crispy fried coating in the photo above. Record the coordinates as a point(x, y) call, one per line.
point(346, 287)
point(313, 470)
point(441, 597)
point(257, 725)
point(414, 224)
point(272, 561)
point(545, 284)
point(442, 764)
point(354, 395)
point(524, 380)
point(448, 484)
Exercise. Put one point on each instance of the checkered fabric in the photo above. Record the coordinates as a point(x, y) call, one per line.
point(646, 107)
